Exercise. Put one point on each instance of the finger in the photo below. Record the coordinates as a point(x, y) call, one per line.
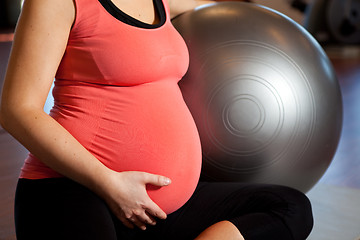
point(154, 210)
point(133, 218)
point(122, 217)
point(152, 219)
point(126, 222)
point(145, 218)
point(156, 180)
point(137, 222)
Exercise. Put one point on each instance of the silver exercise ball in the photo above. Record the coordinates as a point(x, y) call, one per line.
point(263, 94)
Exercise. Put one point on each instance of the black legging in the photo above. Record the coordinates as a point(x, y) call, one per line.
point(62, 209)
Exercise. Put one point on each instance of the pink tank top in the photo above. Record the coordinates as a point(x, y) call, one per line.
point(116, 91)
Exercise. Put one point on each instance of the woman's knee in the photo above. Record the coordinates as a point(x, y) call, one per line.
point(297, 212)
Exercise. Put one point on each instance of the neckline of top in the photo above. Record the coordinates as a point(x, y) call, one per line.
point(114, 11)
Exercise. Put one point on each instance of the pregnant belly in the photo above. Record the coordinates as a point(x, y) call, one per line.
point(143, 128)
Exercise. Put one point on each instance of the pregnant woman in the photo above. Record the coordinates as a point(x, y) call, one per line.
point(119, 156)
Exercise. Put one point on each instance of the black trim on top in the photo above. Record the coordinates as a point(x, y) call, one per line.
point(112, 9)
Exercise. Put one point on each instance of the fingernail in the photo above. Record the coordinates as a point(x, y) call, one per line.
point(167, 181)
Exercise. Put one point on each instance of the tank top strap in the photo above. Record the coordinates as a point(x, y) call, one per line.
point(89, 12)
point(167, 10)
point(86, 16)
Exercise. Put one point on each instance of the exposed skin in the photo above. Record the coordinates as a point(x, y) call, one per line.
point(39, 44)
point(219, 231)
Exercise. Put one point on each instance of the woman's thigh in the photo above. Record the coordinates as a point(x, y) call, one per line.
point(259, 211)
point(60, 209)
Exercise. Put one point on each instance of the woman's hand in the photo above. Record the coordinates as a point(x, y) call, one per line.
point(125, 193)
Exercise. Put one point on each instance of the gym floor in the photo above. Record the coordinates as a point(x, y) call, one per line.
point(335, 198)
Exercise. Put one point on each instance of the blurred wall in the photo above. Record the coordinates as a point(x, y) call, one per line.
point(284, 6)
point(9, 13)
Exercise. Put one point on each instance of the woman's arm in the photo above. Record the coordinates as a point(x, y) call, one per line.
point(39, 44)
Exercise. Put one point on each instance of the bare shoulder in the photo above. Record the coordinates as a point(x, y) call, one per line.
point(40, 40)
point(59, 12)
point(41, 20)
point(178, 7)
point(43, 27)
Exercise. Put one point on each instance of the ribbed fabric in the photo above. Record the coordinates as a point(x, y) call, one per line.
point(116, 92)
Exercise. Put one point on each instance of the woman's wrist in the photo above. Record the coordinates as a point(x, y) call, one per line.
point(101, 181)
